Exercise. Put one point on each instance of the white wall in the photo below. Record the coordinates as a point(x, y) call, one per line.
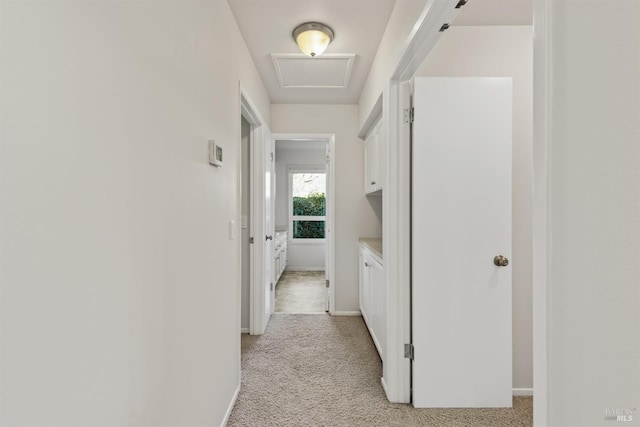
point(120, 286)
point(300, 255)
point(594, 210)
point(503, 51)
point(354, 217)
point(403, 17)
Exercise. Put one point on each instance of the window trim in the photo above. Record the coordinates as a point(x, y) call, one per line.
point(308, 168)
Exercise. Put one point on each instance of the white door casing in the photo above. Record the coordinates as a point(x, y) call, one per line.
point(327, 227)
point(461, 219)
point(260, 250)
point(269, 223)
point(330, 203)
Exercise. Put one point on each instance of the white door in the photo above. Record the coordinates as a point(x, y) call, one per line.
point(327, 228)
point(269, 226)
point(461, 220)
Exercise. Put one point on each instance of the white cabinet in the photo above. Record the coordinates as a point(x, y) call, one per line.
point(373, 301)
point(280, 254)
point(373, 164)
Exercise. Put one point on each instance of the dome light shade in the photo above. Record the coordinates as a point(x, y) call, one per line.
point(312, 38)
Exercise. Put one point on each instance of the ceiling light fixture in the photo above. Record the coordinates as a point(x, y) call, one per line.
point(312, 38)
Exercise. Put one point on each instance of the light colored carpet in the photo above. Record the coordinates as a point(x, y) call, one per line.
point(318, 370)
point(301, 292)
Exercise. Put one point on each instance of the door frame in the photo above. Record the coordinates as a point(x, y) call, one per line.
point(397, 202)
point(258, 315)
point(330, 140)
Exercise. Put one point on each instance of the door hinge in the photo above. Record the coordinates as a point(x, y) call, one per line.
point(271, 156)
point(408, 351)
point(251, 240)
point(327, 282)
point(408, 115)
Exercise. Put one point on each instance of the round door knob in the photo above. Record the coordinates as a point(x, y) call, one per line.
point(500, 261)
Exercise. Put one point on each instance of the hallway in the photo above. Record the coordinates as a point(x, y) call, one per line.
point(301, 292)
point(315, 369)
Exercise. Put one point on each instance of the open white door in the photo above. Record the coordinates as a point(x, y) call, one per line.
point(461, 220)
point(269, 223)
point(261, 221)
point(327, 229)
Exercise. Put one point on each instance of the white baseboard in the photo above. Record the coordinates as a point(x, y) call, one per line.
point(304, 269)
point(384, 387)
point(523, 391)
point(346, 313)
point(230, 408)
point(244, 330)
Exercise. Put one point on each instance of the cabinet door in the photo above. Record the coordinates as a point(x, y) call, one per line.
point(380, 156)
point(365, 296)
point(370, 163)
point(283, 255)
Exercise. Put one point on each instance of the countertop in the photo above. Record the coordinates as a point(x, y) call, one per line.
point(374, 244)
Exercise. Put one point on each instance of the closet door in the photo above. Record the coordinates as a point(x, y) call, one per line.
point(461, 223)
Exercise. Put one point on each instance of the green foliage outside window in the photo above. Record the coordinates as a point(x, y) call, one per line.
point(313, 205)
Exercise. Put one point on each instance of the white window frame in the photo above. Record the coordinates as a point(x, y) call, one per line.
point(291, 169)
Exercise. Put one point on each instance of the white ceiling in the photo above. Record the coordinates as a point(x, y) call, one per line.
point(359, 25)
point(266, 26)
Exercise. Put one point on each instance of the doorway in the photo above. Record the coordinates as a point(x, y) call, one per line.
point(245, 221)
point(255, 170)
point(488, 53)
point(303, 223)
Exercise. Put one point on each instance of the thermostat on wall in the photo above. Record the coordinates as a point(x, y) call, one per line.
point(215, 153)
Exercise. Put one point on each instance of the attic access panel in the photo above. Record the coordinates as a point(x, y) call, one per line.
point(301, 71)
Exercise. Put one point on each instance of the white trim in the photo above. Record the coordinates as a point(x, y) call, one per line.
point(522, 392)
point(350, 57)
point(375, 115)
point(542, 102)
point(346, 313)
point(258, 315)
point(396, 244)
point(305, 269)
point(225, 420)
point(295, 169)
point(331, 191)
point(396, 202)
point(306, 242)
point(384, 385)
point(422, 38)
point(244, 330)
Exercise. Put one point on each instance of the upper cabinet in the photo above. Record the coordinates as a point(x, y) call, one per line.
point(373, 165)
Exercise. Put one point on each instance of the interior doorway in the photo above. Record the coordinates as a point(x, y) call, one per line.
point(486, 53)
point(303, 223)
point(255, 170)
point(245, 221)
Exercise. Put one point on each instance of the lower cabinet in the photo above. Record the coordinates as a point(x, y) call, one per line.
point(280, 254)
point(373, 304)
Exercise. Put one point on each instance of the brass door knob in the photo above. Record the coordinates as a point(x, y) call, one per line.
point(500, 261)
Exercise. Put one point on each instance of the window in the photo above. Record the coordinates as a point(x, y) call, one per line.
point(307, 203)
